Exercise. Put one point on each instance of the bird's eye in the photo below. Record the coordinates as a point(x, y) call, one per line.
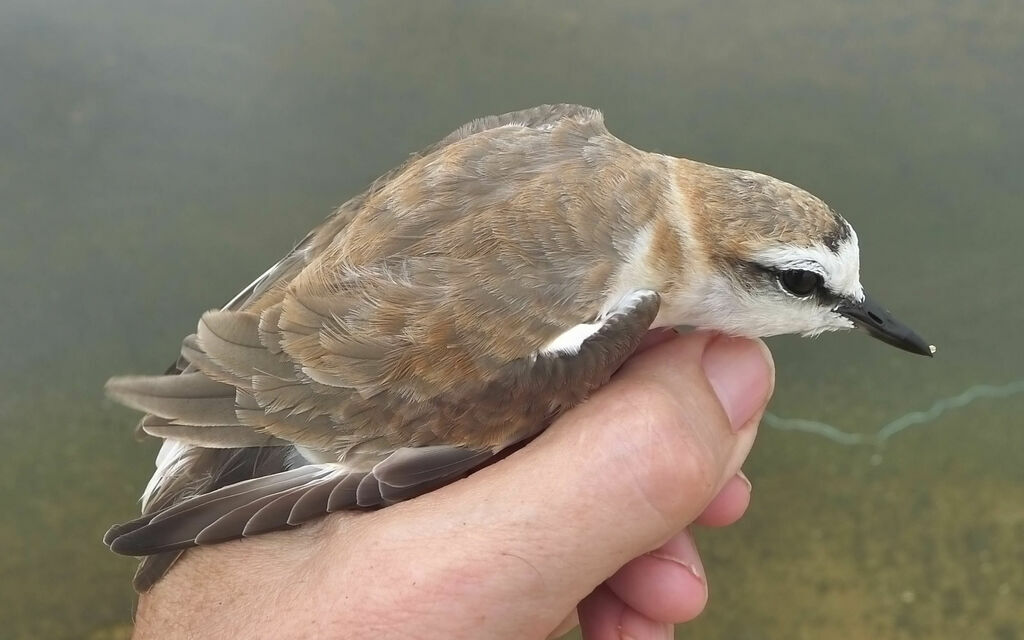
point(799, 282)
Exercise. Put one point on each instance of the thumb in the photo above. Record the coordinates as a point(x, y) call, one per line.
point(642, 458)
point(611, 480)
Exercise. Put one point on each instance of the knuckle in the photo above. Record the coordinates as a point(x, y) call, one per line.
point(674, 461)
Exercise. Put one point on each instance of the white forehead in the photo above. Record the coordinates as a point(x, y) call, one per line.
point(840, 268)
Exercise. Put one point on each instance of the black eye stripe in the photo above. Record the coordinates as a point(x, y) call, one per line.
point(753, 275)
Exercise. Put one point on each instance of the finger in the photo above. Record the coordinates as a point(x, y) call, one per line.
point(665, 585)
point(570, 622)
point(739, 378)
point(729, 505)
point(651, 448)
point(670, 445)
point(655, 337)
point(603, 616)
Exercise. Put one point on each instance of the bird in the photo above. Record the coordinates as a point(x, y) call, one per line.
point(456, 308)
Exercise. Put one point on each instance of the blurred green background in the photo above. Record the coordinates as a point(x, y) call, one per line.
point(156, 156)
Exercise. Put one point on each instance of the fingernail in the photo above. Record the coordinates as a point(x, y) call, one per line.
point(681, 549)
point(694, 571)
point(642, 627)
point(743, 477)
point(741, 372)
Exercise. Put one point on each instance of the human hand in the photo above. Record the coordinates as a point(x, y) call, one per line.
point(591, 516)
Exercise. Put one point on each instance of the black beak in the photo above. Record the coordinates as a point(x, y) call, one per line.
point(873, 318)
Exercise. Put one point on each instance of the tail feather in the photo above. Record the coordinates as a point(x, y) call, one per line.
point(232, 340)
point(189, 398)
point(216, 437)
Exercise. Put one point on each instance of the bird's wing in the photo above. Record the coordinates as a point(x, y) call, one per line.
point(535, 388)
point(185, 470)
point(473, 257)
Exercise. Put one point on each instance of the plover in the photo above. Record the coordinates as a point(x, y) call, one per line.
point(456, 308)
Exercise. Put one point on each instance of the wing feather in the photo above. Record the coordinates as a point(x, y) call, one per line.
point(407, 320)
point(288, 498)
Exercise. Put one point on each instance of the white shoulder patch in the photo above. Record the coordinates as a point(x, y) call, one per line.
point(571, 340)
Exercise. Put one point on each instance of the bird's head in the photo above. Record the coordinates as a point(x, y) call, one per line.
point(779, 260)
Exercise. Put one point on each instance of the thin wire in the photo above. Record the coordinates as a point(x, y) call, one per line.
point(894, 427)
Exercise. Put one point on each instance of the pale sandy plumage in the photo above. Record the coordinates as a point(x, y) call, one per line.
point(456, 307)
